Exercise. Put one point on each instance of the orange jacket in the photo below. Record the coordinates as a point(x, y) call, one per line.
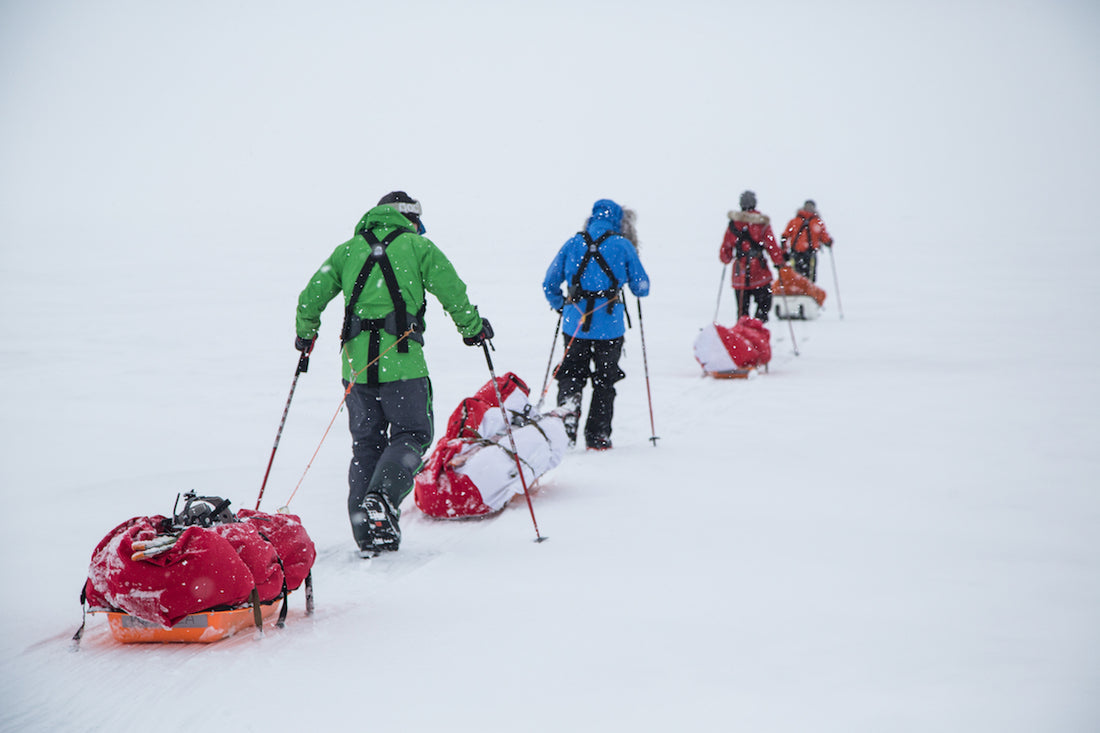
point(804, 232)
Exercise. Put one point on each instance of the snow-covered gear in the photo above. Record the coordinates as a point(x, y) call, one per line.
point(595, 264)
point(723, 351)
point(418, 266)
point(380, 531)
point(205, 558)
point(472, 472)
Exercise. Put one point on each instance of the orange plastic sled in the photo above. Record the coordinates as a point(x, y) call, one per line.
point(733, 374)
point(198, 627)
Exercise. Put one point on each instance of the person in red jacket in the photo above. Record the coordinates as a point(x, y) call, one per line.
point(803, 237)
point(748, 237)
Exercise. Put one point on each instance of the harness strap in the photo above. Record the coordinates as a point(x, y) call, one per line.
point(354, 325)
point(576, 292)
point(809, 235)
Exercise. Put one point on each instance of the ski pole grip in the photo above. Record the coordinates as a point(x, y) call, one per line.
point(303, 362)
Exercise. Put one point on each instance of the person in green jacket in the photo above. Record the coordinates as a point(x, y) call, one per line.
point(384, 273)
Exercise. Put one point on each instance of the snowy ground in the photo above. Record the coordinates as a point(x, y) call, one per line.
point(893, 530)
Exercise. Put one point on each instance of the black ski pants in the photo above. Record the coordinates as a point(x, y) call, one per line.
point(763, 297)
point(598, 360)
point(391, 428)
point(805, 264)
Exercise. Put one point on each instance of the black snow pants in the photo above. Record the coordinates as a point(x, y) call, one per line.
point(598, 360)
point(391, 428)
point(763, 298)
point(805, 264)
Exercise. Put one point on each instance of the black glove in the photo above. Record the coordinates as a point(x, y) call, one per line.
point(829, 244)
point(485, 334)
point(304, 345)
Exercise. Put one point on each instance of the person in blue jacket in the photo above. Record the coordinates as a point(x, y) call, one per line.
point(594, 265)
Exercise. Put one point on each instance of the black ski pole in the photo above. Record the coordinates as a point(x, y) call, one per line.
point(303, 366)
point(721, 283)
point(511, 439)
point(836, 283)
point(549, 362)
point(645, 365)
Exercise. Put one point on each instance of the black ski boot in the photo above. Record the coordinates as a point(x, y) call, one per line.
point(571, 419)
point(383, 534)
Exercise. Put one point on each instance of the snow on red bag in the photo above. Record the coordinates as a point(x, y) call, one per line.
point(291, 541)
point(200, 571)
point(720, 349)
point(162, 570)
point(472, 471)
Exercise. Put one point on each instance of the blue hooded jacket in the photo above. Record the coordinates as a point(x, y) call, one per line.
point(621, 257)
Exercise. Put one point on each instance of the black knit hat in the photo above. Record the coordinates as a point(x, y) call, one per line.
point(748, 201)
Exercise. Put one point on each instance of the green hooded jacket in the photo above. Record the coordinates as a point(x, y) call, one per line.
point(419, 266)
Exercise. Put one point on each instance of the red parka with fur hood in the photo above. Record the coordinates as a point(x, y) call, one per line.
point(749, 234)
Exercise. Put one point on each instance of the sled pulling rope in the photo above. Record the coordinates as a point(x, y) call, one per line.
point(585, 314)
point(339, 407)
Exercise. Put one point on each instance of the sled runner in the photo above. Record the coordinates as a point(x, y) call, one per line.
point(795, 296)
point(733, 373)
point(195, 627)
point(472, 471)
point(199, 576)
point(733, 353)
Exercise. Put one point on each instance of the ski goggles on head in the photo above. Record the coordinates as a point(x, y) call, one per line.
point(412, 209)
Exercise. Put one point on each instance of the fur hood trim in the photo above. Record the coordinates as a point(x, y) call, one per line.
point(749, 217)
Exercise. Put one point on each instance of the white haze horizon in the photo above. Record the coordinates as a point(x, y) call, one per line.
point(892, 530)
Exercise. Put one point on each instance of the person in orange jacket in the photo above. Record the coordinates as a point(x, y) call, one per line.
point(748, 236)
point(804, 235)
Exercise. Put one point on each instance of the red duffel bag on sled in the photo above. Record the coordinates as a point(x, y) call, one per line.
point(199, 576)
point(472, 470)
point(733, 352)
